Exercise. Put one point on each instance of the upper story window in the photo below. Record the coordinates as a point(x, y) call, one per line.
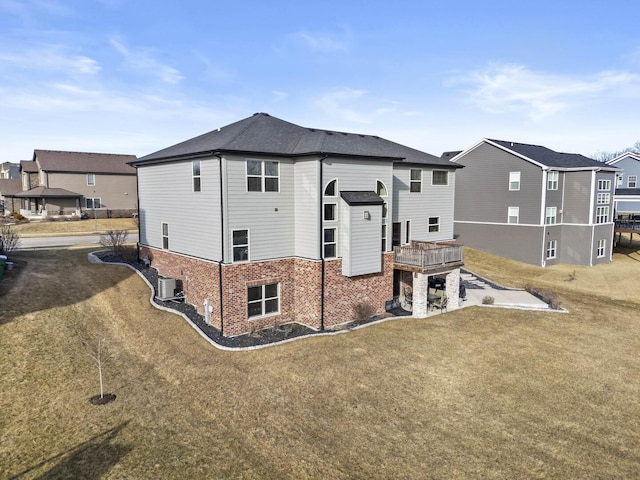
point(240, 245)
point(329, 212)
point(91, 179)
point(330, 248)
point(632, 181)
point(381, 189)
point(331, 189)
point(602, 214)
point(514, 181)
point(165, 236)
point(263, 176)
point(552, 212)
point(552, 180)
point(513, 215)
point(195, 167)
point(384, 238)
point(440, 177)
point(416, 180)
point(434, 224)
point(604, 185)
point(603, 198)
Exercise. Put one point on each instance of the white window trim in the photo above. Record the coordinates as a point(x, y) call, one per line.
point(324, 191)
point(551, 216)
point(263, 301)
point(602, 214)
point(517, 215)
point(512, 179)
point(407, 232)
point(248, 245)
point(164, 236)
point(196, 176)
point(601, 248)
point(91, 175)
point(552, 249)
point(335, 212)
point(429, 225)
point(380, 182)
point(93, 203)
point(552, 183)
point(263, 176)
point(334, 243)
point(603, 198)
point(635, 181)
point(419, 182)
point(383, 235)
point(433, 172)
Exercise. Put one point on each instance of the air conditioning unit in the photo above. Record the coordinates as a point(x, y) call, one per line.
point(166, 288)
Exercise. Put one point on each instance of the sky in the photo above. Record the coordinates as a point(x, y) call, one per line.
point(136, 76)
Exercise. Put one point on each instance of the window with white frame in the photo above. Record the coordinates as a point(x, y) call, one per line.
point(514, 181)
point(240, 245)
point(331, 189)
point(513, 215)
point(416, 180)
point(619, 181)
point(329, 212)
point(602, 214)
point(195, 168)
point(165, 236)
point(434, 224)
point(632, 181)
point(604, 185)
point(440, 177)
point(552, 247)
point(263, 300)
point(552, 180)
point(602, 244)
point(91, 179)
point(384, 238)
point(385, 210)
point(604, 198)
point(381, 189)
point(330, 247)
point(550, 218)
point(92, 202)
point(407, 232)
point(263, 176)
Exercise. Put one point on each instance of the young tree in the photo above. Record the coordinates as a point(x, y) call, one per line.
point(9, 240)
point(99, 358)
point(114, 240)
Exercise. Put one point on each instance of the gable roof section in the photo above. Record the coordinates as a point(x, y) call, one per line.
point(633, 155)
point(543, 157)
point(10, 186)
point(28, 166)
point(84, 162)
point(263, 134)
point(47, 192)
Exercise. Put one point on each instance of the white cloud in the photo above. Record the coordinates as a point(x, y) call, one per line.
point(508, 88)
point(279, 96)
point(51, 57)
point(142, 60)
point(340, 104)
point(321, 43)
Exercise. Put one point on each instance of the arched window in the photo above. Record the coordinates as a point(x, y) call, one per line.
point(330, 189)
point(381, 189)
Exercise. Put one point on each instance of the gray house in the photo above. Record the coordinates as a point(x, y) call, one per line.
point(627, 195)
point(535, 205)
point(66, 184)
point(280, 223)
point(9, 170)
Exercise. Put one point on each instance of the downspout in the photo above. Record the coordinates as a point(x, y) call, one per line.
point(220, 292)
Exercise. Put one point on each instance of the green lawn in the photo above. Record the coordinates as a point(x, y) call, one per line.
point(476, 393)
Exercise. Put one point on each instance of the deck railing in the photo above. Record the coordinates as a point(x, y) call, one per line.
point(427, 257)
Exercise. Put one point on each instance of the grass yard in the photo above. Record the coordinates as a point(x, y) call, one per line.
point(475, 393)
point(77, 226)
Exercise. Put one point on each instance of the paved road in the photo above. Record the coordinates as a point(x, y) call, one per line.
point(27, 243)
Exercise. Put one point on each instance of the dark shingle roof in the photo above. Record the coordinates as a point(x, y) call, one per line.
point(47, 192)
point(84, 162)
point(263, 134)
point(361, 198)
point(550, 158)
point(10, 186)
point(28, 166)
point(627, 191)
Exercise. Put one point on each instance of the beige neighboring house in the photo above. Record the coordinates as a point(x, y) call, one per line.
point(9, 170)
point(68, 184)
point(8, 201)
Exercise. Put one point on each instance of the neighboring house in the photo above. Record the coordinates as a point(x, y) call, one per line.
point(9, 170)
point(8, 201)
point(531, 204)
point(270, 223)
point(627, 196)
point(71, 184)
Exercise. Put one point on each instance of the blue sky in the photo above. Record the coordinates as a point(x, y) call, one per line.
point(136, 76)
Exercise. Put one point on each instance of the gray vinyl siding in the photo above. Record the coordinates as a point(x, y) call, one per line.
point(631, 166)
point(482, 187)
point(269, 216)
point(519, 242)
point(627, 206)
point(605, 232)
point(612, 180)
point(166, 196)
point(577, 197)
point(307, 208)
point(555, 198)
point(432, 201)
point(360, 239)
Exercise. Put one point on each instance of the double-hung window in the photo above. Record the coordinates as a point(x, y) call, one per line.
point(240, 245)
point(602, 214)
point(92, 202)
point(552, 247)
point(263, 176)
point(440, 177)
point(416, 180)
point(165, 236)
point(514, 181)
point(602, 243)
point(552, 180)
point(632, 181)
point(330, 249)
point(91, 179)
point(195, 167)
point(551, 215)
point(513, 215)
point(434, 224)
point(263, 300)
point(384, 238)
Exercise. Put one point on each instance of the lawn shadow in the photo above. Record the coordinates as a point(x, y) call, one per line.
point(90, 460)
point(46, 279)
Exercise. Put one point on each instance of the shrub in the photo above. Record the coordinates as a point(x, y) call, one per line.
point(9, 240)
point(363, 311)
point(17, 216)
point(114, 240)
point(488, 300)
